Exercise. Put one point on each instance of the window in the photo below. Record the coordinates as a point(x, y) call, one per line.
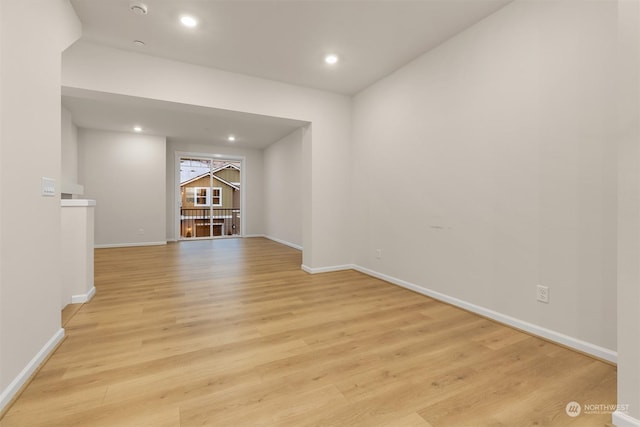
point(189, 196)
point(205, 196)
point(217, 196)
point(201, 196)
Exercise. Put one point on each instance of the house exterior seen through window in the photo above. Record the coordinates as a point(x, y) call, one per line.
point(205, 196)
point(209, 198)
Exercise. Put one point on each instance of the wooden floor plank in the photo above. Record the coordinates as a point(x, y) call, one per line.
point(232, 333)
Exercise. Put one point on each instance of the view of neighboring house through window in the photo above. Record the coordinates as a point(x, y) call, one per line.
point(205, 196)
point(209, 198)
point(202, 196)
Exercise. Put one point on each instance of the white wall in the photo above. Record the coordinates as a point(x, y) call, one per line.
point(486, 167)
point(126, 174)
point(77, 251)
point(283, 189)
point(253, 170)
point(33, 35)
point(3, 381)
point(88, 67)
point(69, 172)
point(628, 314)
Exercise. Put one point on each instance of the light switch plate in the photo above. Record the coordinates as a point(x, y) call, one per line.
point(48, 187)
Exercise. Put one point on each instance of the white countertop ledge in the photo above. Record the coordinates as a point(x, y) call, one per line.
point(77, 202)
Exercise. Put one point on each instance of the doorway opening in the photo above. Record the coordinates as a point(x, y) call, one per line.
point(210, 197)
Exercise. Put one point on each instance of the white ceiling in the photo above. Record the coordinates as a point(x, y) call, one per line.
point(178, 122)
point(287, 40)
point(283, 40)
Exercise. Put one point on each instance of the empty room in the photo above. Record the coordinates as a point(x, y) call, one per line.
point(324, 213)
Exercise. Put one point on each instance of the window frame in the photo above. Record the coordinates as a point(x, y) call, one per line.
point(213, 190)
point(209, 196)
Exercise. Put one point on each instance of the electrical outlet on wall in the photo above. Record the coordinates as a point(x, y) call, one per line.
point(542, 294)
point(378, 253)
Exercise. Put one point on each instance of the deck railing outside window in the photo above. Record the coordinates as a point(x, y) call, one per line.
point(205, 222)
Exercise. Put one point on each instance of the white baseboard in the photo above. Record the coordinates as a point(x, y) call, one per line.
point(82, 298)
point(575, 343)
point(127, 245)
point(620, 419)
point(329, 269)
point(14, 387)
point(284, 242)
point(253, 235)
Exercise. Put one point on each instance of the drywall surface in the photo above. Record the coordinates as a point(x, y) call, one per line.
point(628, 109)
point(283, 189)
point(485, 168)
point(69, 171)
point(126, 174)
point(33, 35)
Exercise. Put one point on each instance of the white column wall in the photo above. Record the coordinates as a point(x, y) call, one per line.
point(628, 312)
point(33, 35)
point(77, 251)
point(69, 172)
point(283, 189)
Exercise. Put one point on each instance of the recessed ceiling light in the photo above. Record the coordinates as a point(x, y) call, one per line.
point(231, 138)
point(138, 43)
point(331, 59)
point(137, 128)
point(138, 8)
point(188, 21)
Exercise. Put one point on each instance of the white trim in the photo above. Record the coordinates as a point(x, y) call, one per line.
point(14, 387)
point(284, 242)
point(575, 343)
point(225, 167)
point(69, 203)
point(208, 196)
point(224, 181)
point(194, 179)
point(210, 174)
point(213, 190)
point(620, 419)
point(328, 269)
point(127, 245)
point(252, 236)
point(82, 298)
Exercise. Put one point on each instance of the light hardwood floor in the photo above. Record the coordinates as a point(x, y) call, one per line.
point(233, 333)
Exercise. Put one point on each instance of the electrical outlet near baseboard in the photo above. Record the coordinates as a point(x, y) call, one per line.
point(378, 253)
point(542, 294)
